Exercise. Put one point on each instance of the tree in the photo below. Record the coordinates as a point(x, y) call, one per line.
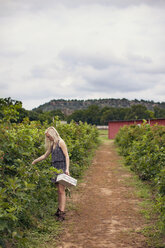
point(159, 112)
point(139, 112)
point(9, 109)
point(58, 113)
point(78, 115)
point(92, 115)
point(113, 114)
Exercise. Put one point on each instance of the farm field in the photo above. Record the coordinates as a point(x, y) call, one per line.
point(110, 207)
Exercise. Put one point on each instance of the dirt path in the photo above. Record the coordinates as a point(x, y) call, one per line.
point(105, 212)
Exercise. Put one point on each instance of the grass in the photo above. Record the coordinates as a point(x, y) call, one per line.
point(147, 208)
point(103, 135)
point(45, 230)
point(48, 231)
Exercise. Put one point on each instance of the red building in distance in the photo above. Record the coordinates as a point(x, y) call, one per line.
point(114, 126)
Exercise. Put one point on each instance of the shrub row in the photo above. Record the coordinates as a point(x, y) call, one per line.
point(143, 148)
point(26, 191)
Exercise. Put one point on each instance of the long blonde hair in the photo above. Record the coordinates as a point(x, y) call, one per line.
point(55, 135)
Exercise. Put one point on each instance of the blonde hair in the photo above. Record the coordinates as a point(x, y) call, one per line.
point(55, 135)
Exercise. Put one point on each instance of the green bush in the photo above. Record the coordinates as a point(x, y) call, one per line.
point(143, 148)
point(26, 191)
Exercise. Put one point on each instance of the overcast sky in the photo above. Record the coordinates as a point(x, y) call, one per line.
point(82, 49)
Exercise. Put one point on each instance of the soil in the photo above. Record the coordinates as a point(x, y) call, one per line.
point(103, 210)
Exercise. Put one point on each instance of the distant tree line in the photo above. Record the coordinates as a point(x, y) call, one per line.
point(101, 116)
point(13, 111)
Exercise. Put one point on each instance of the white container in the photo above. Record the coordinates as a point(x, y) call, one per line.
point(66, 180)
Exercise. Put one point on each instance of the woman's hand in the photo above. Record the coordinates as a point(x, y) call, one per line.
point(33, 162)
point(67, 172)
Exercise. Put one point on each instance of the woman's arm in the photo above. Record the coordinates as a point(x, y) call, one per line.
point(47, 153)
point(65, 151)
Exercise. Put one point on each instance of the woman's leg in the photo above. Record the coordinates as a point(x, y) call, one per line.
point(61, 197)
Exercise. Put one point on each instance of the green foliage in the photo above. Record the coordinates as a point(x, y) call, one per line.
point(48, 116)
point(101, 116)
point(138, 112)
point(159, 112)
point(26, 190)
point(144, 150)
point(113, 114)
point(12, 111)
point(9, 109)
point(95, 112)
point(91, 115)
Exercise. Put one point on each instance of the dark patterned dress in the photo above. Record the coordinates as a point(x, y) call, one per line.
point(58, 160)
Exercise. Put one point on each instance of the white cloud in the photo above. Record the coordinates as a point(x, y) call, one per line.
point(81, 49)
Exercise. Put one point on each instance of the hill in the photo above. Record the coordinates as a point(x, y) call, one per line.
point(69, 106)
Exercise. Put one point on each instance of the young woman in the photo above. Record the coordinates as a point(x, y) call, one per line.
point(56, 146)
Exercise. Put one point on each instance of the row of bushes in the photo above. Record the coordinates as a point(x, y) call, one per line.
point(143, 148)
point(26, 191)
